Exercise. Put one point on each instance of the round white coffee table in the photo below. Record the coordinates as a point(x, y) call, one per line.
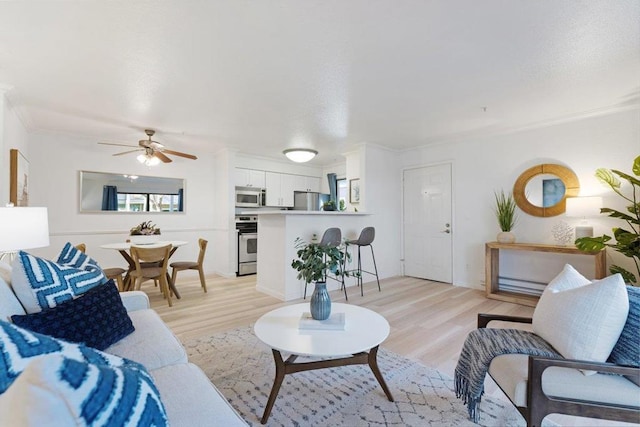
point(357, 344)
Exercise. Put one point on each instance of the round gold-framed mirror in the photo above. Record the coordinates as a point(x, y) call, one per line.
point(542, 190)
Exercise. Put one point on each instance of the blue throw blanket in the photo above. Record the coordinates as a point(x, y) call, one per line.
point(480, 347)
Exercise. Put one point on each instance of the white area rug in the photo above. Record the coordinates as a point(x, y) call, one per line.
point(242, 368)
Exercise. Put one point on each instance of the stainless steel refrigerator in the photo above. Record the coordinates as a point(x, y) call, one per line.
point(307, 201)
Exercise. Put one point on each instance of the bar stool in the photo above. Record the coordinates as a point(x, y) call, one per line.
point(366, 238)
point(331, 238)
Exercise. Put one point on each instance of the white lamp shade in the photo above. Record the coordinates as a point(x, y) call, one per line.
point(23, 228)
point(583, 207)
point(300, 155)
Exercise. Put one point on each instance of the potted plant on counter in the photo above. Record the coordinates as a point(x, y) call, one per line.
point(506, 214)
point(312, 264)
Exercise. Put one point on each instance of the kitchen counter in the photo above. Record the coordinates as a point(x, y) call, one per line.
point(292, 212)
point(277, 233)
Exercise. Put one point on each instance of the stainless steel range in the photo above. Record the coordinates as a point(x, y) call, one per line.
point(247, 228)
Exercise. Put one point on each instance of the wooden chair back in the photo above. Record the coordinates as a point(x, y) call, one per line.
point(203, 248)
point(81, 247)
point(158, 256)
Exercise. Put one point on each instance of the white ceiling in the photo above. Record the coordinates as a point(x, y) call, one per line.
point(262, 76)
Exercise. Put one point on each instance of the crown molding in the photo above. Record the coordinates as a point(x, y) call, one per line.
point(630, 105)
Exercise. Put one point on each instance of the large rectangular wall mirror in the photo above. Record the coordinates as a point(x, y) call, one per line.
point(110, 192)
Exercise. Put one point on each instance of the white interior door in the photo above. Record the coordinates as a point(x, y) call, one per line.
point(427, 223)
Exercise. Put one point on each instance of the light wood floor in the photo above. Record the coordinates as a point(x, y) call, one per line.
point(429, 320)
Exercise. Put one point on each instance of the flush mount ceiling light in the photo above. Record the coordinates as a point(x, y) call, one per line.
point(300, 155)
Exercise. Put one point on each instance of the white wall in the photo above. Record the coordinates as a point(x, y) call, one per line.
point(380, 195)
point(55, 162)
point(486, 164)
point(12, 135)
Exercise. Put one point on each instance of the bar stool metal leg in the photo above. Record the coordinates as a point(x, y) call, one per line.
point(375, 268)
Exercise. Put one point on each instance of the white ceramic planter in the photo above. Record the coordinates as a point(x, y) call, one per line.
point(506, 237)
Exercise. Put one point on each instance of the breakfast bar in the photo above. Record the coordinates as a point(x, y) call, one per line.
point(277, 233)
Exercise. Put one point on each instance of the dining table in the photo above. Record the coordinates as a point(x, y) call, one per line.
point(124, 249)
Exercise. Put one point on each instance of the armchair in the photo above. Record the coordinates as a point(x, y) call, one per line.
point(539, 386)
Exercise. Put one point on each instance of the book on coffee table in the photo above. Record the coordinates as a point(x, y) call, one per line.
point(335, 322)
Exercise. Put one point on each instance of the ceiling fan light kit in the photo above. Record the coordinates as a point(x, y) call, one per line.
point(154, 152)
point(300, 155)
point(148, 160)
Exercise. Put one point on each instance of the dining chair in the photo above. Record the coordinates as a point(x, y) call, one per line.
point(191, 265)
point(110, 273)
point(157, 270)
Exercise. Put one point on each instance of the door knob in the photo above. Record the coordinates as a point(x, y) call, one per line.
point(446, 231)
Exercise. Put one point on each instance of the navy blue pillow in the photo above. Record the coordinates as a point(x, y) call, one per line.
point(96, 318)
point(627, 349)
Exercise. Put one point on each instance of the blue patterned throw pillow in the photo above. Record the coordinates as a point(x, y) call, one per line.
point(71, 392)
point(96, 318)
point(19, 347)
point(627, 349)
point(39, 283)
point(70, 255)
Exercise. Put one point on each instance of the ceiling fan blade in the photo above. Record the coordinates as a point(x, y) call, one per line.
point(177, 153)
point(162, 157)
point(116, 144)
point(127, 152)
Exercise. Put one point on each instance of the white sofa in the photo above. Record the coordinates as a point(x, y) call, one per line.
point(190, 399)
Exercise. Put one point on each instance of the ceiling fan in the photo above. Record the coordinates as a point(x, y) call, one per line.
point(154, 152)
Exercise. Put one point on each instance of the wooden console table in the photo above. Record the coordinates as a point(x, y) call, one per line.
point(492, 268)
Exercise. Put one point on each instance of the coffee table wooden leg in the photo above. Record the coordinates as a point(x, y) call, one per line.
point(373, 364)
point(277, 382)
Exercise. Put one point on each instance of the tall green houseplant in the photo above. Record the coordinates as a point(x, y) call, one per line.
point(627, 239)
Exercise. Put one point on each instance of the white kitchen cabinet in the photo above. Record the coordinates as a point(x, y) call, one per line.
point(306, 183)
point(313, 183)
point(249, 178)
point(280, 187)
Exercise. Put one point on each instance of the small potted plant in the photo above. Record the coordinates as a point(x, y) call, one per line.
point(144, 233)
point(506, 214)
point(312, 264)
point(329, 206)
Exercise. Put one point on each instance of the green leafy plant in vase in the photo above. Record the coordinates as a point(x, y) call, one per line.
point(505, 211)
point(627, 240)
point(312, 264)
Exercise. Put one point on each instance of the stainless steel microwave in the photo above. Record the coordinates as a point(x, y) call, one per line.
point(248, 197)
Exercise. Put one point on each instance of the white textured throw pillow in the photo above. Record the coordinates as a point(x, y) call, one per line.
point(582, 321)
point(569, 278)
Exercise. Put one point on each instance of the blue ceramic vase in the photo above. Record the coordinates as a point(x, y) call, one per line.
point(320, 302)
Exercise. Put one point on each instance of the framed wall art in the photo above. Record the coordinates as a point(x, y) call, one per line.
point(354, 191)
point(18, 178)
